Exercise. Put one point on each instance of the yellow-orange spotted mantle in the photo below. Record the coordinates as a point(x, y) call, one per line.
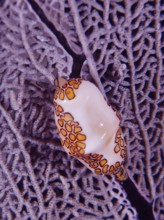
point(89, 128)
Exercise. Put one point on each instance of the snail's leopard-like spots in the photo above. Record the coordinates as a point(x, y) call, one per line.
point(60, 109)
point(86, 156)
point(68, 127)
point(72, 137)
point(71, 82)
point(117, 139)
point(76, 149)
point(55, 96)
point(77, 129)
point(72, 150)
point(57, 112)
point(60, 122)
point(63, 132)
point(81, 137)
point(74, 123)
point(69, 93)
point(56, 93)
point(98, 171)
point(120, 146)
point(61, 95)
point(76, 85)
point(94, 155)
point(67, 117)
point(105, 169)
point(111, 169)
point(80, 144)
point(123, 153)
point(67, 90)
point(64, 86)
point(117, 149)
point(117, 164)
point(103, 162)
point(100, 164)
point(73, 144)
point(118, 134)
point(94, 165)
point(81, 151)
point(99, 157)
point(122, 142)
point(67, 142)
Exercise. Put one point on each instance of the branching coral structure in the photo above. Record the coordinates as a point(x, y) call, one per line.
point(119, 46)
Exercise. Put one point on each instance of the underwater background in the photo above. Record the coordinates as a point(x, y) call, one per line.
point(119, 46)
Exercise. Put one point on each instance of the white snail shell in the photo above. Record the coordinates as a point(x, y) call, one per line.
point(89, 128)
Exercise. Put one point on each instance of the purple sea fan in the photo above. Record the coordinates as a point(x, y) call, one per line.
point(116, 44)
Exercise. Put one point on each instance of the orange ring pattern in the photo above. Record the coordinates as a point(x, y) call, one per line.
point(74, 139)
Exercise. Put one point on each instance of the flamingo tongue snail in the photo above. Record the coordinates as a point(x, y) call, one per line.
point(89, 128)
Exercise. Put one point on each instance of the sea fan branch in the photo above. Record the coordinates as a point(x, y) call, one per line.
point(83, 40)
point(26, 157)
point(158, 47)
point(40, 68)
point(17, 193)
point(134, 98)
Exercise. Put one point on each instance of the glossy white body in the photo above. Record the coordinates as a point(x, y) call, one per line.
point(98, 120)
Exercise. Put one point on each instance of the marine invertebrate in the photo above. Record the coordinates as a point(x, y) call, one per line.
point(89, 128)
point(40, 40)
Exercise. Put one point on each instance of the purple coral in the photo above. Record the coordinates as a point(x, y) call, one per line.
point(118, 45)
